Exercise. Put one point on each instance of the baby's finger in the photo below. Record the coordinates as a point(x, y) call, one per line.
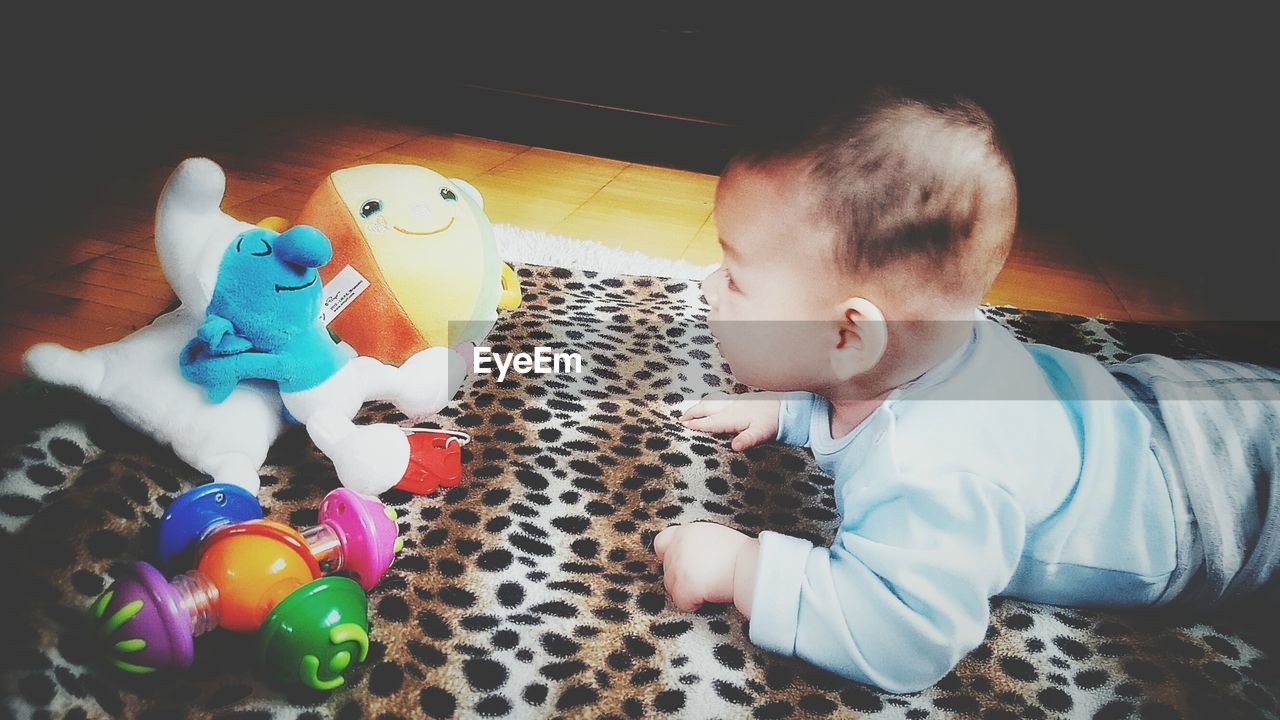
point(750, 437)
point(712, 403)
point(669, 579)
point(662, 540)
point(684, 406)
point(685, 596)
point(700, 410)
point(713, 425)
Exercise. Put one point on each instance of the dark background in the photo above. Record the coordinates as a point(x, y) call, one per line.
point(1146, 134)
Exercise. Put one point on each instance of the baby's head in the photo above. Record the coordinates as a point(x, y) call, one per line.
point(864, 239)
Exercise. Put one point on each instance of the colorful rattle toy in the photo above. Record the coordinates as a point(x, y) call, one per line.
point(254, 574)
point(357, 535)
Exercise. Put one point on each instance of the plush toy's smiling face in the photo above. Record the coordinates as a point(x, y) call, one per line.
point(268, 284)
point(426, 234)
point(409, 216)
point(407, 201)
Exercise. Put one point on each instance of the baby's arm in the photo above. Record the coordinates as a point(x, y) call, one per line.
point(902, 595)
point(896, 601)
point(754, 417)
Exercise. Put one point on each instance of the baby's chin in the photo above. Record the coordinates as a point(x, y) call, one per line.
point(756, 359)
point(768, 379)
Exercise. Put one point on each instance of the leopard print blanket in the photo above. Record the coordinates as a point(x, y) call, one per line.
point(531, 589)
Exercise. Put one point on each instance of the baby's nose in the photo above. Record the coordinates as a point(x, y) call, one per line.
point(420, 211)
point(709, 292)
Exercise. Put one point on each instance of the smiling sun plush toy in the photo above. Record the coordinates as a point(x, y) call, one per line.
point(414, 261)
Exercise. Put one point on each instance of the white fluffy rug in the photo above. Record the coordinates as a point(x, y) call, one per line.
point(538, 248)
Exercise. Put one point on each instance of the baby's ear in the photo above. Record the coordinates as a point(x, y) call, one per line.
point(861, 338)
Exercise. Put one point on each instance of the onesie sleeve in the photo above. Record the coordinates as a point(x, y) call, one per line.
point(902, 593)
point(794, 416)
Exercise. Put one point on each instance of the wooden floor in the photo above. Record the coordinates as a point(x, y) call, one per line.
point(97, 279)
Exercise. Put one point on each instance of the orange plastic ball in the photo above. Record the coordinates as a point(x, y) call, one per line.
point(254, 565)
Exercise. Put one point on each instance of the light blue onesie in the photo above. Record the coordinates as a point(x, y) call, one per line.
point(972, 481)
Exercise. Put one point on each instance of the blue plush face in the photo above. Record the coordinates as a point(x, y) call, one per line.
point(268, 284)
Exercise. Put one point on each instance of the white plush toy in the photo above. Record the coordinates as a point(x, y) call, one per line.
point(227, 437)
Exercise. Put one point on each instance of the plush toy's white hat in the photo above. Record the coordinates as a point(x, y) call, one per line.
point(192, 233)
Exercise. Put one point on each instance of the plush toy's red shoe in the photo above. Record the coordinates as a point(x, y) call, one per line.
point(435, 461)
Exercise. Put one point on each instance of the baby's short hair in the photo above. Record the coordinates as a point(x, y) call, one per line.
point(905, 179)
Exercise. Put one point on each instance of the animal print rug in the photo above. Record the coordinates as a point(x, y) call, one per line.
point(531, 589)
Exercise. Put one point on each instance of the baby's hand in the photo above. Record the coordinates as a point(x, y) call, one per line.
point(753, 416)
point(705, 562)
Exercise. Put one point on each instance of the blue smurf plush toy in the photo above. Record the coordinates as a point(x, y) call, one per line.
point(263, 323)
point(264, 319)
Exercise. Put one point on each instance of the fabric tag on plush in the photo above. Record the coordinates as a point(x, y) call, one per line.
point(340, 292)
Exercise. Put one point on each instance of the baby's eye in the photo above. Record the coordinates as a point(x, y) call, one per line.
point(370, 208)
point(448, 194)
point(729, 283)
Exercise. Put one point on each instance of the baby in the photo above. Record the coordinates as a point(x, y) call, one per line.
point(966, 464)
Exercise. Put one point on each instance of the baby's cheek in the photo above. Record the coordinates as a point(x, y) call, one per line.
point(745, 346)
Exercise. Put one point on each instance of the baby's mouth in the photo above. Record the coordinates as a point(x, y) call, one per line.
point(429, 232)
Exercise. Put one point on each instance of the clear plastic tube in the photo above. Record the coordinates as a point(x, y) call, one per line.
point(326, 546)
point(199, 597)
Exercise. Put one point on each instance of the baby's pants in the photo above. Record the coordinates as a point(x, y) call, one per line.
point(1216, 436)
